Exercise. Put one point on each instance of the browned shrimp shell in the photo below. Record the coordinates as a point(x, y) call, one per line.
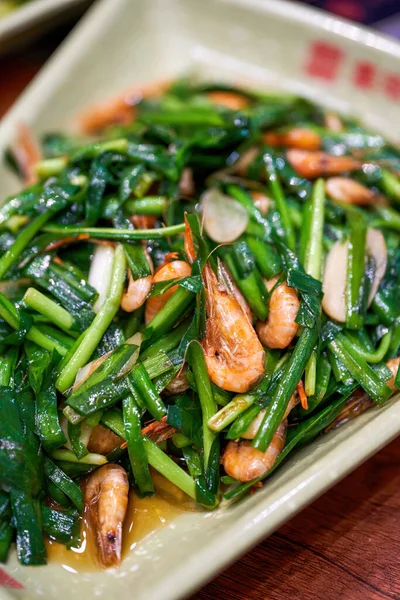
point(232, 350)
point(320, 164)
point(298, 137)
point(106, 500)
point(349, 191)
point(280, 327)
point(137, 291)
point(178, 384)
point(177, 269)
point(103, 441)
point(254, 426)
point(245, 463)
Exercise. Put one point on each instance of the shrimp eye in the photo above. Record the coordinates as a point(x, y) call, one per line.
point(111, 537)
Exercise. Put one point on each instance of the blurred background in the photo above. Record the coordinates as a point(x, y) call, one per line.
point(381, 14)
point(30, 31)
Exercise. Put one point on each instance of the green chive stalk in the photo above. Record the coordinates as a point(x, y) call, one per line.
point(149, 205)
point(11, 315)
point(312, 263)
point(166, 318)
point(291, 376)
point(12, 254)
point(280, 201)
point(360, 369)
point(50, 167)
point(391, 184)
point(90, 459)
point(49, 309)
point(147, 392)
point(108, 233)
point(204, 389)
point(157, 459)
point(162, 463)
point(136, 449)
point(227, 414)
point(355, 273)
point(372, 357)
point(99, 325)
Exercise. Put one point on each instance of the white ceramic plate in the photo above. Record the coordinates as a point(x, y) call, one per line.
point(272, 44)
point(32, 19)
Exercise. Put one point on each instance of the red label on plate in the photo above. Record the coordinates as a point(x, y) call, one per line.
point(392, 86)
point(324, 60)
point(8, 581)
point(364, 75)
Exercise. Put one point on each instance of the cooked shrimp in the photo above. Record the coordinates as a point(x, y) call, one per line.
point(228, 99)
point(226, 279)
point(119, 109)
point(137, 291)
point(262, 202)
point(177, 269)
point(254, 426)
point(245, 463)
point(27, 153)
point(320, 164)
point(143, 221)
point(298, 137)
point(233, 353)
point(280, 327)
point(178, 384)
point(349, 191)
point(159, 431)
point(393, 365)
point(106, 500)
point(358, 403)
point(103, 441)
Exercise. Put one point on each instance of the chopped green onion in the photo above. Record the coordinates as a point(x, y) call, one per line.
point(99, 325)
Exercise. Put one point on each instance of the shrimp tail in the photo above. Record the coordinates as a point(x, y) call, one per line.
point(110, 546)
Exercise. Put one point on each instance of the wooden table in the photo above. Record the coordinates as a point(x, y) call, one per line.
point(346, 545)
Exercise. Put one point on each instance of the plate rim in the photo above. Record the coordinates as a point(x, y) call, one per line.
point(32, 12)
point(232, 543)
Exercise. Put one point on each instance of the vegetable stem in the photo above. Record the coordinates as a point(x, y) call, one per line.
point(207, 402)
point(149, 205)
point(48, 308)
point(355, 273)
point(226, 415)
point(105, 233)
point(12, 254)
point(136, 449)
point(281, 205)
point(283, 392)
point(98, 326)
point(360, 370)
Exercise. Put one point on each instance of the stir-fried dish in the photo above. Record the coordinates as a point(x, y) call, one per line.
point(198, 281)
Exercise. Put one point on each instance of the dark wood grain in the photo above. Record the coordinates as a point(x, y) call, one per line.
point(346, 545)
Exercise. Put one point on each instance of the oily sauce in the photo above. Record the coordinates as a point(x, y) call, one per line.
point(144, 516)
